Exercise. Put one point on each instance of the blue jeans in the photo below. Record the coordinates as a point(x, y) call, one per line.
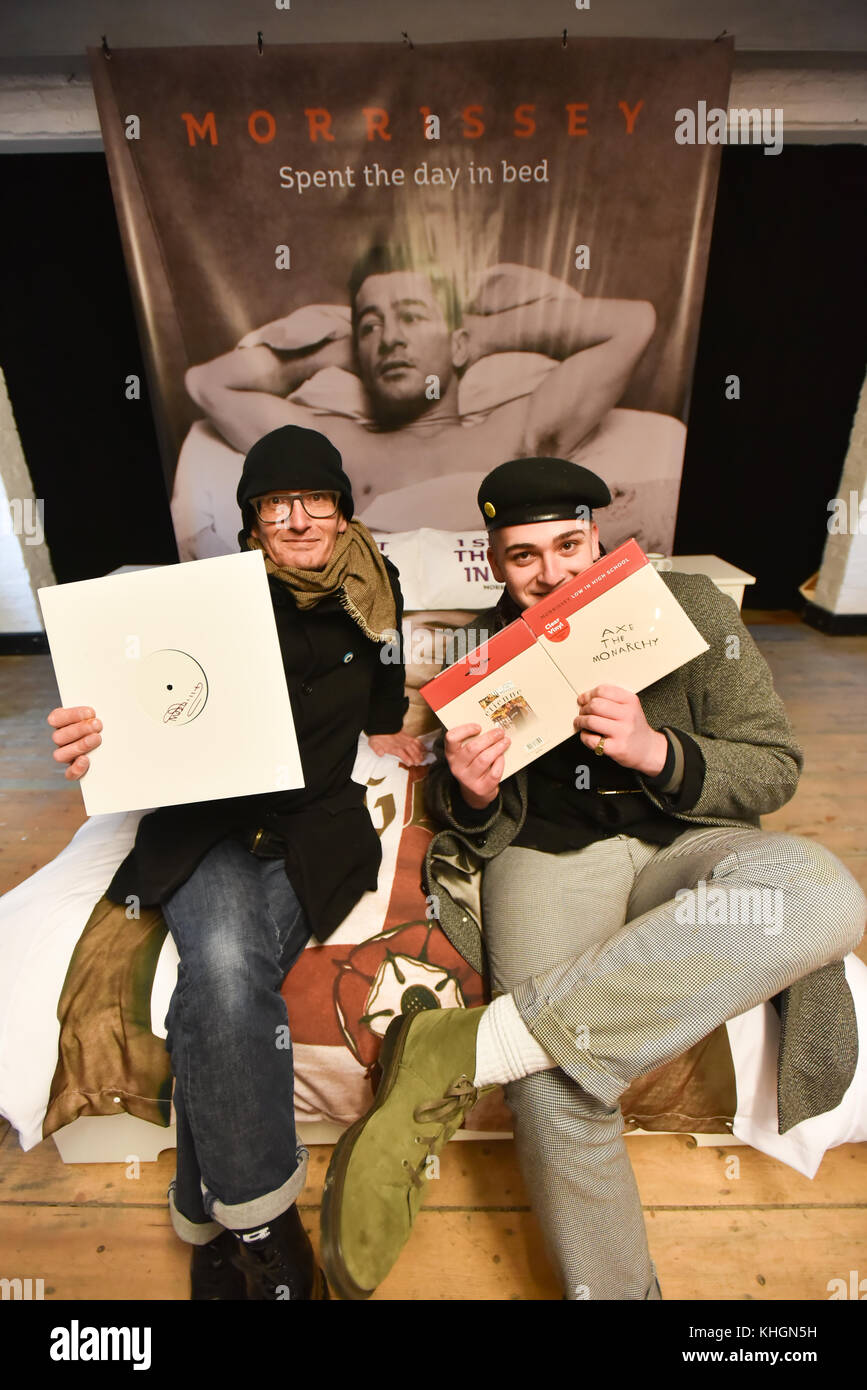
point(239, 928)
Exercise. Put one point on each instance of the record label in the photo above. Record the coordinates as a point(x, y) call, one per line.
point(171, 687)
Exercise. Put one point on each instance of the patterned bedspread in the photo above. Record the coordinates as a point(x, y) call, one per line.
point(388, 957)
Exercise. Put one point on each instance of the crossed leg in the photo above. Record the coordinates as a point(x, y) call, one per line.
point(612, 985)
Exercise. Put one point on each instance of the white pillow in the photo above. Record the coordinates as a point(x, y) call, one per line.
point(755, 1039)
point(40, 923)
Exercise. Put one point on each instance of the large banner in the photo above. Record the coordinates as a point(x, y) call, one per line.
point(441, 257)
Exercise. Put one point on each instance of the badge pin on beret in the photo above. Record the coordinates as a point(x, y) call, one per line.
point(490, 509)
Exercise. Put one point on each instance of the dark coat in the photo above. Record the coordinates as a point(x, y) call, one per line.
point(338, 687)
point(728, 709)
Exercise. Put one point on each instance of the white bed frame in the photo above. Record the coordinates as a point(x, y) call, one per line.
point(122, 1138)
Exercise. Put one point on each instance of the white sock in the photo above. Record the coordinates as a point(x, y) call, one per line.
point(505, 1048)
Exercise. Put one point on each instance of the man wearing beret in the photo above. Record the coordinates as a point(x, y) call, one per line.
point(587, 855)
point(243, 881)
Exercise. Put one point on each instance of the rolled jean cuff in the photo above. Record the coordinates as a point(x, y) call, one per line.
point(558, 1040)
point(193, 1232)
point(243, 1215)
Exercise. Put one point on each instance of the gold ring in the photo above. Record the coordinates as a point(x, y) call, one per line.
point(600, 747)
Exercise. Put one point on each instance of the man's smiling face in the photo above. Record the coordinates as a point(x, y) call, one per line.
point(401, 338)
point(534, 560)
point(300, 541)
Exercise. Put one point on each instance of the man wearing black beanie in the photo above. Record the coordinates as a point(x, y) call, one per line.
point(242, 882)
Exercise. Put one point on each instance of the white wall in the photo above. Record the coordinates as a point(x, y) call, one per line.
point(24, 560)
point(842, 583)
point(823, 97)
point(36, 27)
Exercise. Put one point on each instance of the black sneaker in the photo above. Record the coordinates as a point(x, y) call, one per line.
point(212, 1272)
point(278, 1261)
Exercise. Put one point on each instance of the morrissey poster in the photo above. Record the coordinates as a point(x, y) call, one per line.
point(440, 257)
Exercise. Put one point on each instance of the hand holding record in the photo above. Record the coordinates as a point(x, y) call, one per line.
point(78, 733)
point(476, 760)
point(180, 660)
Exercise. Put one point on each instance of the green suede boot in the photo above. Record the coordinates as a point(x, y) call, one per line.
point(378, 1175)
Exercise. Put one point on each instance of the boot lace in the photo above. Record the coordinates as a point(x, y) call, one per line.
point(448, 1111)
point(457, 1099)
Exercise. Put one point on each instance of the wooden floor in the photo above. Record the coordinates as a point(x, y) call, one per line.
point(723, 1223)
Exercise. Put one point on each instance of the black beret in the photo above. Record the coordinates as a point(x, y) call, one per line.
point(292, 458)
point(538, 489)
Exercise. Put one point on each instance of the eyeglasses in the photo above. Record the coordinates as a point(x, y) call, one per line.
point(278, 506)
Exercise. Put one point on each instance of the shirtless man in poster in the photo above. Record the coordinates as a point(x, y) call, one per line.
point(409, 343)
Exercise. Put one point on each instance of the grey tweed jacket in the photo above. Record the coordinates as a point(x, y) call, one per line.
point(725, 701)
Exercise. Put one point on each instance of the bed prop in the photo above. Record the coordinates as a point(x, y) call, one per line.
point(85, 984)
point(83, 1007)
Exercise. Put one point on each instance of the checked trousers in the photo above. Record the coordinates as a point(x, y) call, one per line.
point(608, 978)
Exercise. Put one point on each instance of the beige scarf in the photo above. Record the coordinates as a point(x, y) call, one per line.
point(356, 573)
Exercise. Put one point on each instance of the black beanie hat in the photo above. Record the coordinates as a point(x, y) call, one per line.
point(292, 458)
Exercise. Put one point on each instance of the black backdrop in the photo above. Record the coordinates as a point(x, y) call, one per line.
point(783, 311)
